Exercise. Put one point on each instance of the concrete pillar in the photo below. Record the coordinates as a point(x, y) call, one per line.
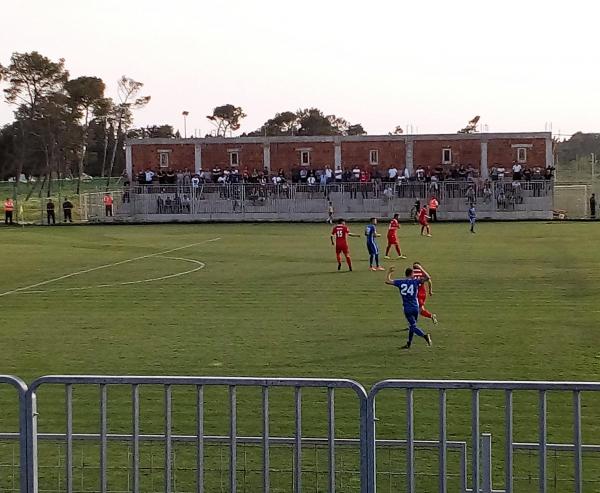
point(337, 155)
point(129, 161)
point(409, 155)
point(197, 158)
point(484, 171)
point(549, 153)
point(267, 156)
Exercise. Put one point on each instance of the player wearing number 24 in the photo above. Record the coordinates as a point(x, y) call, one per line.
point(409, 287)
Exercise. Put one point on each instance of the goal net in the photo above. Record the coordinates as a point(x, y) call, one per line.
point(571, 201)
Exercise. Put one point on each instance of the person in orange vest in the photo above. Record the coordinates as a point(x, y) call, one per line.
point(433, 207)
point(108, 204)
point(9, 207)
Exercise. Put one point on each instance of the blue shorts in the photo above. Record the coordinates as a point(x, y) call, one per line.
point(412, 316)
point(372, 248)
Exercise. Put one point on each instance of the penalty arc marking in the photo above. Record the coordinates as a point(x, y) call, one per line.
point(200, 265)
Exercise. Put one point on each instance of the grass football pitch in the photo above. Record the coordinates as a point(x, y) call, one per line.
point(518, 301)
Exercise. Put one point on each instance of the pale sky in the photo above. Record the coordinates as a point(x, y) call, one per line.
point(431, 64)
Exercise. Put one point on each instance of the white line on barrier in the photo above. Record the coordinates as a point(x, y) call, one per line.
point(105, 266)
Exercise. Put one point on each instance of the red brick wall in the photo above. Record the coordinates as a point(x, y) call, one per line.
point(429, 152)
point(146, 156)
point(390, 153)
point(250, 155)
point(500, 151)
point(287, 155)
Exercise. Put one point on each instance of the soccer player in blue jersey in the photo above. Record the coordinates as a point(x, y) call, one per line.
point(472, 217)
point(408, 287)
point(373, 249)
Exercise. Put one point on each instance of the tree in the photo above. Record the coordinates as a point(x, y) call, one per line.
point(313, 121)
point(33, 80)
point(226, 118)
point(285, 123)
point(87, 97)
point(356, 129)
point(152, 132)
point(471, 126)
point(121, 113)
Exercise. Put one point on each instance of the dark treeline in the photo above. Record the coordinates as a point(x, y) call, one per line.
point(64, 127)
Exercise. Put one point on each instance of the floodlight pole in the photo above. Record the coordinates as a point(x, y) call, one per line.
point(185, 114)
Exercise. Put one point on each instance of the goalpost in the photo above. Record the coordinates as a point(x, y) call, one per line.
point(571, 201)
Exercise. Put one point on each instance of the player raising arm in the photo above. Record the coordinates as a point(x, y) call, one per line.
point(339, 238)
point(420, 273)
point(408, 288)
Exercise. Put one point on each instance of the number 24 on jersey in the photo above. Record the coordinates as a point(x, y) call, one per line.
point(407, 289)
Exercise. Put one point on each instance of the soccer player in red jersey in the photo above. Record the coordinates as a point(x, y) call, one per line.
point(420, 273)
point(392, 237)
point(340, 234)
point(424, 221)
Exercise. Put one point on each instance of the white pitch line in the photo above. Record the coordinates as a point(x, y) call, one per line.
point(201, 265)
point(105, 266)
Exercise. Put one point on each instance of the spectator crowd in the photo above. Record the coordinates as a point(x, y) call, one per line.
point(504, 185)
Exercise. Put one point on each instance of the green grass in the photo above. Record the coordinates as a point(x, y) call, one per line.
point(516, 301)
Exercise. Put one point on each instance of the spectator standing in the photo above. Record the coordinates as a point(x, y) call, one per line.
point(433, 207)
point(517, 192)
point(392, 173)
point(67, 211)
point(195, 185)
point(149, 176)
point(303, 175)
point(420, 174)
point(329, 212)
point(50, 212)
point(517, 169)
point(593, 206)
point(470, 195)
point(494, 173)
point(364, 179)
point(339, 174)
point(9, 207)
point(487, 192)
point(108, 204)
point(356, 173)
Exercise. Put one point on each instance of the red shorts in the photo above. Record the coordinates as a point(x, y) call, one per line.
point(341, 249)
point(424, 222)
point(422, 298)
point(392, 240)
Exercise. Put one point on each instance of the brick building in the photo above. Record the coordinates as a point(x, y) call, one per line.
point(480, 150)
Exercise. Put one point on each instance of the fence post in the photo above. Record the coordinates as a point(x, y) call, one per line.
point(29, 443)
point(486, 463)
